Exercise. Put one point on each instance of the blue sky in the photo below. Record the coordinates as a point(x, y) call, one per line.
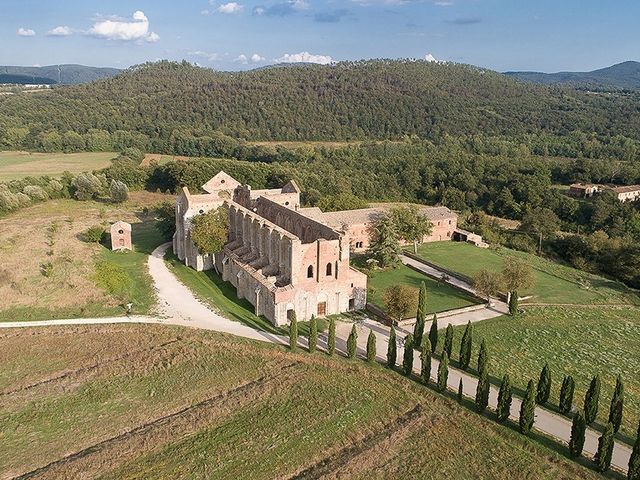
point(545, 35)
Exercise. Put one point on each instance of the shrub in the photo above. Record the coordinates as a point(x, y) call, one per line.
point(88, 186)
point(118, 191)
point(113, 279)
point(93, 234)
point(35, 193)
point(47, 269)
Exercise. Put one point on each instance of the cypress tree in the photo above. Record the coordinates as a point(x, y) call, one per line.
point(513, 303)
point(527, 409)
point(352, 343)
point(460, 391)
point(633, 473)
point(313, 334)
point(331, 341)
point(505, 398)
point(578, 429)
point(425, 359)
point(443, 373)
point(293, 332)
point(483, 356)
point(465, 346)
point(371, 347)
point(433, 333)
point(617, 404)
point(392, 349)
point(482, 390)
point(605, 449)
point(566, 394)
point(448, 340)
point(591, 400)
point(407, 360)
point(421, 315)
point(544, 385)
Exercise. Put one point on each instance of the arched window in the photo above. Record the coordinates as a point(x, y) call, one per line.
point(310, 271)
point(329, 269)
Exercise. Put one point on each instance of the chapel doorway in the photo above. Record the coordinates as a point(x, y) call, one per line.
point(322, 309)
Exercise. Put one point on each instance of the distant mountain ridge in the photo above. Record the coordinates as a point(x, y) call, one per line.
point(622, 76)
point(55, 74)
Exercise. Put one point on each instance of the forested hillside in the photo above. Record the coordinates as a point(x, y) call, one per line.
point(361, 100)
point(54, 74)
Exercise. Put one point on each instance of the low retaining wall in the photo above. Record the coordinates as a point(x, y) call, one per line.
point(378, 312)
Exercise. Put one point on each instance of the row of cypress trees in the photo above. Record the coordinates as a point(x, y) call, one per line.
point(535, 393)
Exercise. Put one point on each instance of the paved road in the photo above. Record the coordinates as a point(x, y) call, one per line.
point(178, 306)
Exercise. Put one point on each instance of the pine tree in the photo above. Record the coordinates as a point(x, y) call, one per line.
point(505, 398)
point(591, 400)
point(482, 390)
point(483, 356)
point(578, 430)
point(465, 346)
point(352, 343)
point(513, 303)
point(407, 360)
point(443, 373)
point(392, 349)
point(528, 409)
point(544, 385)
point(448, 340)
point(425, 359)
point(634, 461)
point(331, 341)
point(605, 449)
point(566, 394)
point(293, 332)
point(617, 405)
point(371, 347)
point(460, 391)
point(313, 334)
point(433, 333)
point(421, 315)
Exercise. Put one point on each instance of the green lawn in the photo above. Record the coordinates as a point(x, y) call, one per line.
point(579, 341)
point(217, 406)
point(554, 283)
point(440, 296)
point(15, 165)
point(221, 296)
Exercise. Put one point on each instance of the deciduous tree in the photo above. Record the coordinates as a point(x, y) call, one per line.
point(385, 243)
point(210, 231)
point(517, 275)
point(399, 300)
point(411, 224)
point(487, 283)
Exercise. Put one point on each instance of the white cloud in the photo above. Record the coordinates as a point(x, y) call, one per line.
point(61, 31)
point(304, 57)
point(242, 58)
point(443, 3)
point(259, 11)
point(430, 58)
point(230, 8)
point(211, 57)
point(120, 29)
point(26, 32)
point(205, 12)
point(255, 58)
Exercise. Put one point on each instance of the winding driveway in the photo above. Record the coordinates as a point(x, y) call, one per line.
point(178, 306)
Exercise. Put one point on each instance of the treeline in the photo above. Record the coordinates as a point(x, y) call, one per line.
point(170, 107)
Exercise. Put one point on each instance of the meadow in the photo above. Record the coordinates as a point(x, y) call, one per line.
point(553, 283)
point(152, 401)
point(48, 271)
point(440, 296)
point(15, 165)
point(577, 341)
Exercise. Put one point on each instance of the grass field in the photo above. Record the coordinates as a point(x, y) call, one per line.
point(579, 341)
point(15, 165)
point(221, 297)
point(554, 283)
point(26, 244)
point(440, 296)
point(133, 401)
